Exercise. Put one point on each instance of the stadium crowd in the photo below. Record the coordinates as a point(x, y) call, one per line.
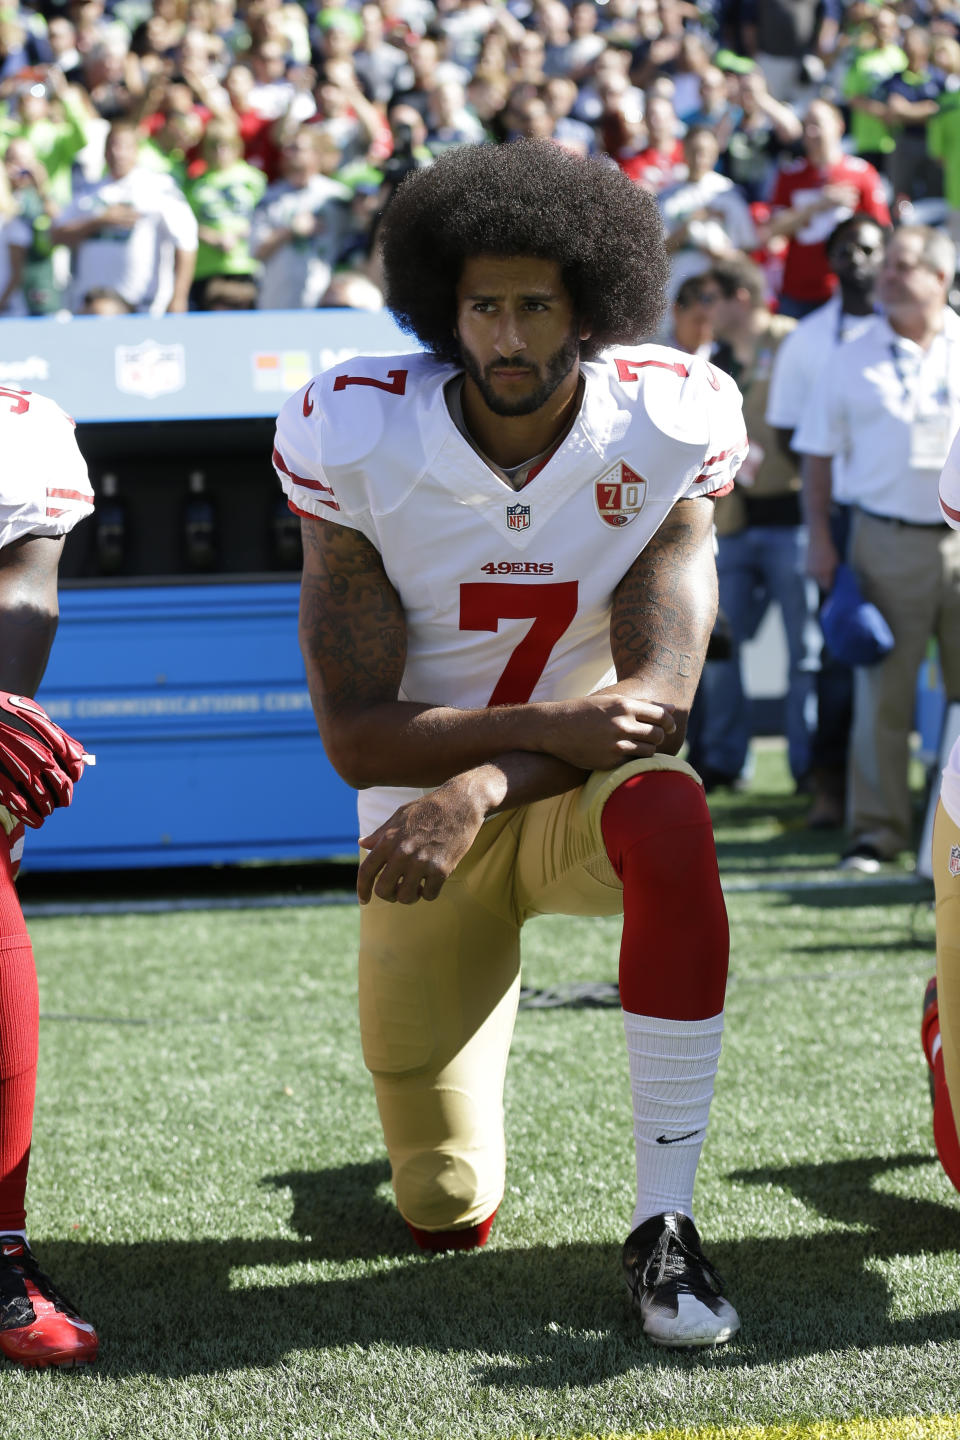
point(166, 154)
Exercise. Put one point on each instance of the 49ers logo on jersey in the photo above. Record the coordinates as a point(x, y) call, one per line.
point(620, 495)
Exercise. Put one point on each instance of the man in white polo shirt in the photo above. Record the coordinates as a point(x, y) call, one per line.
point(132, 231)
point(855, 253)
point(888, 403)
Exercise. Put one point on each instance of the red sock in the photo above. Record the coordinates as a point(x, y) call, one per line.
point(676, 942)
point(470, 1238)
point(19, 1027)
point(944, 1126)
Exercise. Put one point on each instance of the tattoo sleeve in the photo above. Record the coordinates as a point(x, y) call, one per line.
point(665, 606)
point(352, 630)
point(28, 609)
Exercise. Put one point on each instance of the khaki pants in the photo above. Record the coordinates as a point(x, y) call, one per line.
point(946, 842)
point(912, 574)
point(439, 984)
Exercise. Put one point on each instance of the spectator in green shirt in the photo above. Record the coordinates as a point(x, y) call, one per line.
point(883, 56)
point(223, 199)
point(55, 142)
point(35, 207)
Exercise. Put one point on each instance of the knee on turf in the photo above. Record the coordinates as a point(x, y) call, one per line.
point(441, 1190)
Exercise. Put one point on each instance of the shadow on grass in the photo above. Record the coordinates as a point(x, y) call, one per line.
point(173, 1309)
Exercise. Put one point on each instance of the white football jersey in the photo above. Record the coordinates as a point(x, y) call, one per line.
point(507, 594)
point(44, 489)
point(949, 488)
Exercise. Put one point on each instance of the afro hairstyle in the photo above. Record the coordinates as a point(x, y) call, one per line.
point(531, 198)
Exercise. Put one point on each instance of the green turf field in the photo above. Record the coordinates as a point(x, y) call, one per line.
point(209, 1182)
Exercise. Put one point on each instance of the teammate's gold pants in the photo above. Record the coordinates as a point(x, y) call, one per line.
point(439, 983)
point(946, 836)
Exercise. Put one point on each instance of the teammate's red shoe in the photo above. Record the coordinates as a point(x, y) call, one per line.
point(944, 1127)
point(38, 1327)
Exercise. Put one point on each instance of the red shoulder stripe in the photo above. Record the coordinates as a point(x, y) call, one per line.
point(306, 514)
point(949, 511)
point(80, 495)
point(716, 459)
point(281, 464)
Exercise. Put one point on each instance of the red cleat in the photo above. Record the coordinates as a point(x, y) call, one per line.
point(38, 1327)
point(470, 1238)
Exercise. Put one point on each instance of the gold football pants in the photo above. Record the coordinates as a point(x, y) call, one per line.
point(439, 984)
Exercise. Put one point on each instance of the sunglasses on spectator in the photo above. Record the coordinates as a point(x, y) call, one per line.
point(701, 297)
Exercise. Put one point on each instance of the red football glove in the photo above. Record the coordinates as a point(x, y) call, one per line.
point(39, 762)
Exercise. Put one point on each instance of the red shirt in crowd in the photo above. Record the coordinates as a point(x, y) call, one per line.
point(656, 169)
point(806, 273)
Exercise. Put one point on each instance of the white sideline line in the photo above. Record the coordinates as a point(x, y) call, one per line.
point(52, 909)
point(742, 885)
point(826, 880)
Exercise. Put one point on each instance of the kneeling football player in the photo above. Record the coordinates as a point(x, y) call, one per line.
point(508, 590)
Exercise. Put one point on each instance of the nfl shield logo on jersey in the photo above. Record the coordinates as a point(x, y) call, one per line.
point(620, 495)
point(518, 517)
point(955, 859)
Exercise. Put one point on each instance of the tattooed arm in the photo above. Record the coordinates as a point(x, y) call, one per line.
point(353, 638)
point(663, 612)
point(28, 610)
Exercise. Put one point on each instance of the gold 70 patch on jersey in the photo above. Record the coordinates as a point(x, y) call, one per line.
point(619, 495)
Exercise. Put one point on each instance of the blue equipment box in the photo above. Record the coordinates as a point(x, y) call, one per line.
point(194, 700)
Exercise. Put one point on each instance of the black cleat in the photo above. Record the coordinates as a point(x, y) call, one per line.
point(674, 1288)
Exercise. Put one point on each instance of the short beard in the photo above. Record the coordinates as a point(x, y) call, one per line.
point(557, 369)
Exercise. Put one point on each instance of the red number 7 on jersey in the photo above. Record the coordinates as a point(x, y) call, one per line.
point(21, 397)
point(484, 604)
point(395, 385)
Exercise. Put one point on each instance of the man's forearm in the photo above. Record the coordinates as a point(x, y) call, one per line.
point(400, 743)
point(817, 491)
point(518, 778)
point(403, 744)
point(184, 265)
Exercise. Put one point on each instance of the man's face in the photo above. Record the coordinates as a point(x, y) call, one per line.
point(856, 256)
point(121, 152)
point(906, 283)
point(821, 129)
point(517, 331)
point(701, 152)
point(693, 319)
point(886, 27)
point(300, 160)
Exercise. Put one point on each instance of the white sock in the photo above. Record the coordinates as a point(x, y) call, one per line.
point(18, 1234)
point(673, 1064)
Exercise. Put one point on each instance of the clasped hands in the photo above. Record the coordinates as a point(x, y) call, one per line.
point(413, 853)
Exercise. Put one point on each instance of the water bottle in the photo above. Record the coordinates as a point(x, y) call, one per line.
point(200, 540)
point(110, 518)
point(285, 537)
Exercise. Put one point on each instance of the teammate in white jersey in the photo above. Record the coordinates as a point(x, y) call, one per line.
point(44, 492)
point(508, 590)
point(940, 1032)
